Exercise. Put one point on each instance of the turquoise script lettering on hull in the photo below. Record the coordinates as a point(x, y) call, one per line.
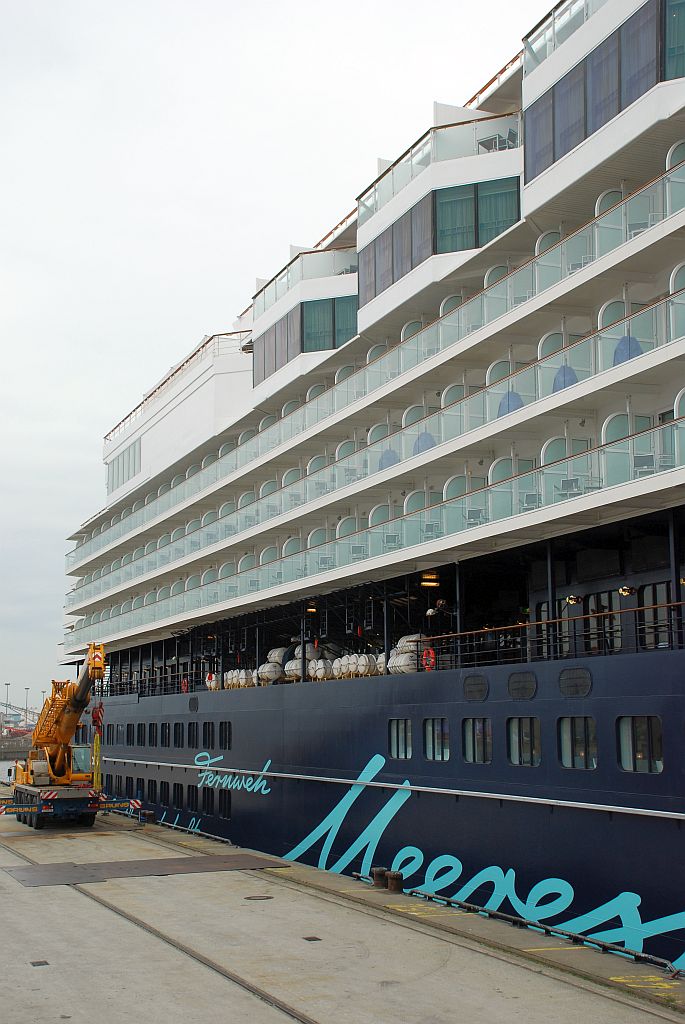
point(229, 779)
point(548, 898)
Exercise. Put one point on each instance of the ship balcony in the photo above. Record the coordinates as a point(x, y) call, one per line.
point(306, 266)
point(479, 137)
point(632, 347)
point(558, 26)
point(636, 473)
point(632, 227)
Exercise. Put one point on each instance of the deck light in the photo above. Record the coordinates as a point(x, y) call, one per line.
point(573, 599)
point(429, 579)
point(627, 591)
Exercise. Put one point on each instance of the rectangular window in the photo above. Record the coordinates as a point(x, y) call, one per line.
point(108, 784)
point(436, 739)
point(602, 85)
point(130, 734)
point(569, 111)
point(523, 738)
point(152, 791)
point(455, 218)
point(164, 794)
point(177, 796)
point(399, 738)
point(639, 49)
point(640, 745)
point(129, 786)
point(207, 800)
point(281, 342)
point(140, 788)
point(124, 466)
point(191, 798)
point(225, 735)
point(121, 734)
point(178, 734)
point(152, 734)
point(224, 803)
point(140, 729)
point(165, 735)
point(578, 742)
point(367, 274)
point(401, 246)
point(498, 207)
point(477, 740)
point(119, 785)
point(654, 619)
point(345, 319)
point(294, 332)
point(317, 325)
point(674, 41)
point(208, 735)
point(192, 735)
point(422, 230)
point(383, 253)
point(539, 136)
point(109, 735)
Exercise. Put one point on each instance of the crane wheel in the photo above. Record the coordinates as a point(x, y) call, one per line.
point(87, 820)
point(40, 821)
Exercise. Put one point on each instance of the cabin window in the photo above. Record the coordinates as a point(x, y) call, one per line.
point(152, 734)
point(108, 784)
point(224, 803)
point(640, 745)
point(121, 733)
point(140, 738)
point(208, 735)
point(129, 786)
point(191, 798)
point(207, 800)
point(119, 785)
point(140, 788)
point(477, 740)
point(178, 734)
point(109, 733)
point(578, 742)
point(164, 793)
point(177, 796)
point(603, 627)
point(654, 618)
point(152, 791)
point(399, 738)
point(130, 734)
point(192, 735)
point(225, 735)
point(436, 739)
point(165, 734)
point(523, 741)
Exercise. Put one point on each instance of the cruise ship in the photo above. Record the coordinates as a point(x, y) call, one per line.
point(391, 573)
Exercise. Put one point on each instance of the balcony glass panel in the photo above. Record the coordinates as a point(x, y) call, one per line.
point(658, 201)
point(638, 334)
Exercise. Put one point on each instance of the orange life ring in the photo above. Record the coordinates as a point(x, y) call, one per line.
point(428, 659)
point(184, 685)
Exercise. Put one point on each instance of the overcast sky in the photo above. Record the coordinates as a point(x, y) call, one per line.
point(157, 156)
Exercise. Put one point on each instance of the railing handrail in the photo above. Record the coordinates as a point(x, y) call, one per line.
point(545, 623)
point(298, 256)
point(478, 294)
point(495, 385)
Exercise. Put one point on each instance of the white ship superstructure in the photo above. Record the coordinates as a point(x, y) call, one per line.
point(488, 351)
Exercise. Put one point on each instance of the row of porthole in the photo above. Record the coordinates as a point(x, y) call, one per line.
point(573, 682)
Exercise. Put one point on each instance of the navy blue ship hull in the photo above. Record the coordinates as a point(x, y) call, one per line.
point(311, 778)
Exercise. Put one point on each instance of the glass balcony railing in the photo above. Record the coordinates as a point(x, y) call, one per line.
point(563, 21)
point(646, 455)
point(449, 142)
point(305, 267)
point(650, 328)
point(641, 211)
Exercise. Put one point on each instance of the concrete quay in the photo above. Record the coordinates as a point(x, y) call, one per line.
point(229, 940)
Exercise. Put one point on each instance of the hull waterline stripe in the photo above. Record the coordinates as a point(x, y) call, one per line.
point(575, 804)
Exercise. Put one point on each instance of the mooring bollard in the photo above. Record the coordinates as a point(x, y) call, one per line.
point(395, 881)
point(380, 878)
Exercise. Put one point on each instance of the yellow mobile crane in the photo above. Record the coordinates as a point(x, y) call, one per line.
point(57, 777)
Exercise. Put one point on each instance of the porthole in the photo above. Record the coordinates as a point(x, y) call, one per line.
point(193, 704)
point(522, 685)
point(575, 682)
point(476, 688)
